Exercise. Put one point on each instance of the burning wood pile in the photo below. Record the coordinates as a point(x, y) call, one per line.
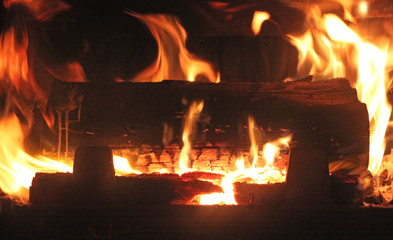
point(286, 110)
point(215, 141)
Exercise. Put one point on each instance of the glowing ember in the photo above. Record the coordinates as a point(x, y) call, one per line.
point(257, 20)
point(174, 61)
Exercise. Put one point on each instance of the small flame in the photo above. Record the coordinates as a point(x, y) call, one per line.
point(257, 21)
point(254, 146)
point(260, 175)
point(226, 198)
point(122, 166)
point(363, 8)
point(174, 61)
point(193, 114)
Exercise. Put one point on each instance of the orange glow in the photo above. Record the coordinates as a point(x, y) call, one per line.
point(17, 167)
point(43, 10)
point(193, 114)
point(122, 166)
point(13, 59)
point(257, 21)
point(254, 146)
point(326, 46)
point(174, 61)
point(254, 174)
point(363, 8)
point(22, 92)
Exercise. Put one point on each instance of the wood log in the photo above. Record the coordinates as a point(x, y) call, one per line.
point(50, 189)
point(56, 189)
point(164, 189)
point(130, 114)
point(268, 195)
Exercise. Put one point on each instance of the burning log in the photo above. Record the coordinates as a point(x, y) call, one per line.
point(161, 189)
point(133, 114)
point(92, 183)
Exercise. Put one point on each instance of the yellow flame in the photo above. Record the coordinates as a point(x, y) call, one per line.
point(22, 92)
point(174, 61)
point(193, 113)
point(17, 167)
point(346, 46)
point(122, 166)
point(260, 175)
point(257, 21)
point(227, 198)
point(363, 8)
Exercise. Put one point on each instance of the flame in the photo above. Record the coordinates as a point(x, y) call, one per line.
point(363, 8)
point(193, 113)
point(325, 48)
point(254, 146)
point(174, 61)
point(22, 93)
point(122, 166)
point(257, 21)
point(17, 167)
point(260, 175)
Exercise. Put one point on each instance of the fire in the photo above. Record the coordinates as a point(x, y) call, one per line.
point(122, 166)
point(17, 167)
point(268, 173)
point(193, 113)
point(174, 61)
point(323, 51)
point(21, 92)
point(363, 8)
point(257, 21)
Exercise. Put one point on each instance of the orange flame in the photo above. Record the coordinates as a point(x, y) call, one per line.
point(260, 175)
point(323, 51)
point(22, 92)
point(257, 21)
point(122, 166)
point(174, 61)
point(17, 167)
point(193, 113)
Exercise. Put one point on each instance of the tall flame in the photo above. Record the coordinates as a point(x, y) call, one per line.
point(21, 93)
point(323, 51)
point(174, 61)
point(193, 114)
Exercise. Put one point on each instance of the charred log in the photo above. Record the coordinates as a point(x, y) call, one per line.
point(131, 114)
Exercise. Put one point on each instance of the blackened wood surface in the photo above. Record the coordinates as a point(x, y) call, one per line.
point(126, 114)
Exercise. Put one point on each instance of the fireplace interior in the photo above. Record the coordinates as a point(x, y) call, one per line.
point(275, 147)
